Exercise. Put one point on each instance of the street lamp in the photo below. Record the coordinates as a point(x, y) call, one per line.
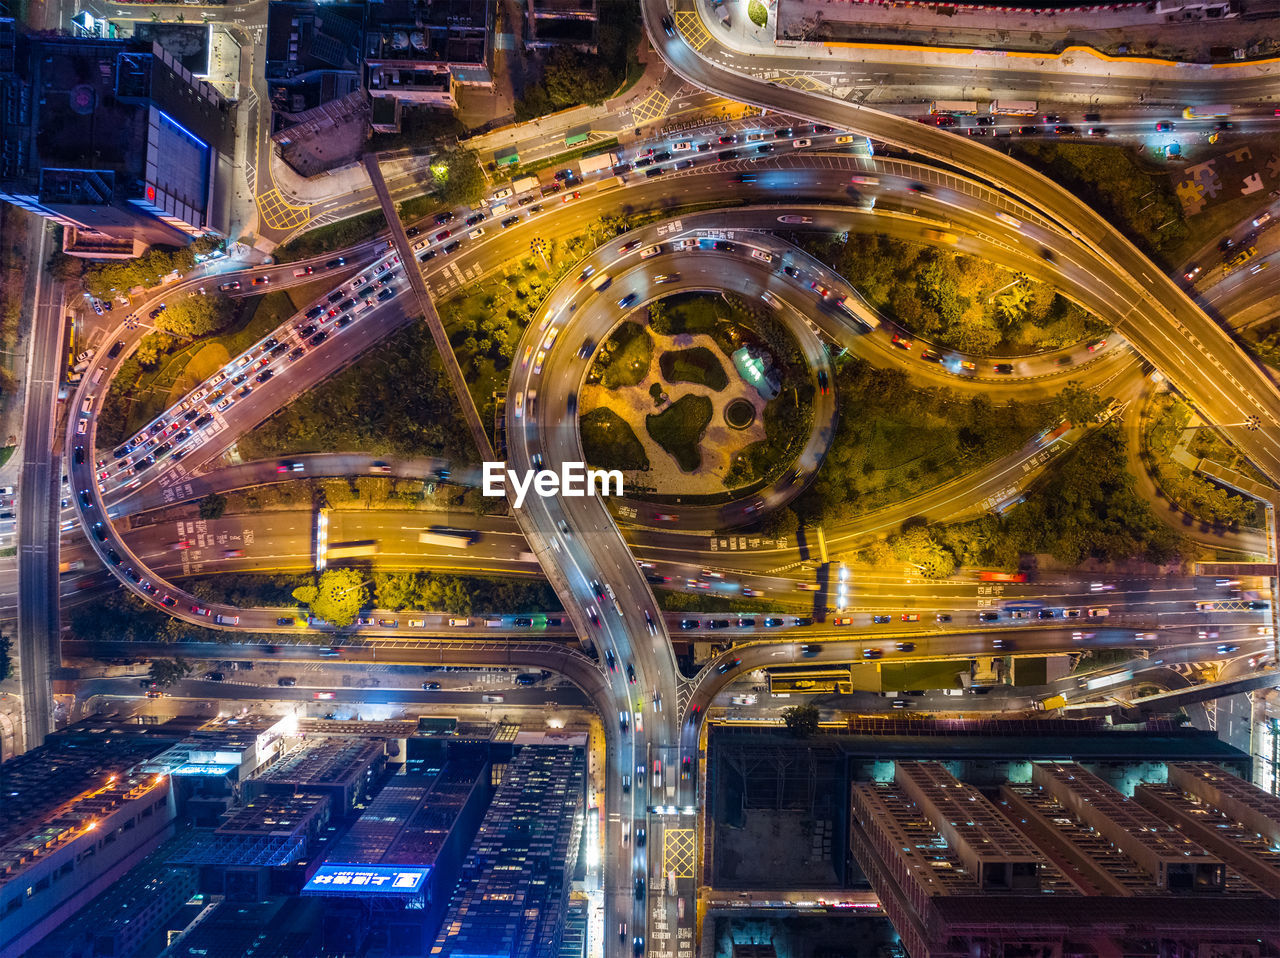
point(539, 247)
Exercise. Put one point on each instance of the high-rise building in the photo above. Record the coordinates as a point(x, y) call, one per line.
point(388, 880)
point(76, 818)
point(1057, 861)
point(115, 140)
point(512, 899)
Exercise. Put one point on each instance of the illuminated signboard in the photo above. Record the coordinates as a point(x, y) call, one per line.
point(366, 879)
point(203, 769)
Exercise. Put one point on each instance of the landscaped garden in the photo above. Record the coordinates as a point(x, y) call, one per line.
point(697, 424)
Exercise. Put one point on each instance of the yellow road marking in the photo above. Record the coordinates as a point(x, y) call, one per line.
point(679, 846)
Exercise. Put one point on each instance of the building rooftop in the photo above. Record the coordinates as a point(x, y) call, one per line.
point(68, 780)
point(39, 824)
point(408, 821)
point(324, 761)
point(446, 32)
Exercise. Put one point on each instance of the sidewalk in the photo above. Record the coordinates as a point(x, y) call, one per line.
point(1107, 30)
point(744, 38)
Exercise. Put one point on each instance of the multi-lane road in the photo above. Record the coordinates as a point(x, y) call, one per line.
point(584, 553)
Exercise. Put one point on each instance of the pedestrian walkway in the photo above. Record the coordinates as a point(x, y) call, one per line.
point(743, 37)
point(1179, 35)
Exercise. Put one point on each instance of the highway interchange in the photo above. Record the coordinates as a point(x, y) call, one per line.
point(578, 542)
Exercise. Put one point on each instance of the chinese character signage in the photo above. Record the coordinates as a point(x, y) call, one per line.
point(366, 879)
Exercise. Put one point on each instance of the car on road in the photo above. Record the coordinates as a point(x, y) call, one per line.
point(726, 667)
point(902, 342)
point(1094, 347)
point(872, 653)
point(335, 263)
point(882, 619)
point(669, 26)
point(631, 674)
point(1005, 369)
point(1164, 126)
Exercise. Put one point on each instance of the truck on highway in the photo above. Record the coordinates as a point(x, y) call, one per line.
point(960, 107)
point(526, 184)
point(594, 164)
point(1014, 107)
point(73, 566)
point(1052, 702)
point(859, 311)
point(352, 550)
point(442, 536)
point(612, 183)
point(1210, 112)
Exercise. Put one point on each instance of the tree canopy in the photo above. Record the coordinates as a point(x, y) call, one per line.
point(457, 176)
point(194, 316)
point(167, 672)
point(802, 720)
point(116, 277)
point(337, 597)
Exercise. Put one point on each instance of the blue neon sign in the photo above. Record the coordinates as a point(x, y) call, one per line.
point(365, 879)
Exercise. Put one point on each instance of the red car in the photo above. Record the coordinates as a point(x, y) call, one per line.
point(902, 343)
point(443, 235)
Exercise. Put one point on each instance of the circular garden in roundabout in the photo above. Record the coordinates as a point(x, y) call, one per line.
point(696, 394)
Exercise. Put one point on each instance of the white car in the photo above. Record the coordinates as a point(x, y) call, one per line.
point(762, 255)
point(650, 251)
point(501, 194)
point(476, 233)
point(801, 144)
point(537, 363)
point(552, 333)
point(683, 147)
point(519, 405)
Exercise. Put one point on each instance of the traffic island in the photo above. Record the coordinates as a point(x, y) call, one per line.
point(709, 413)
